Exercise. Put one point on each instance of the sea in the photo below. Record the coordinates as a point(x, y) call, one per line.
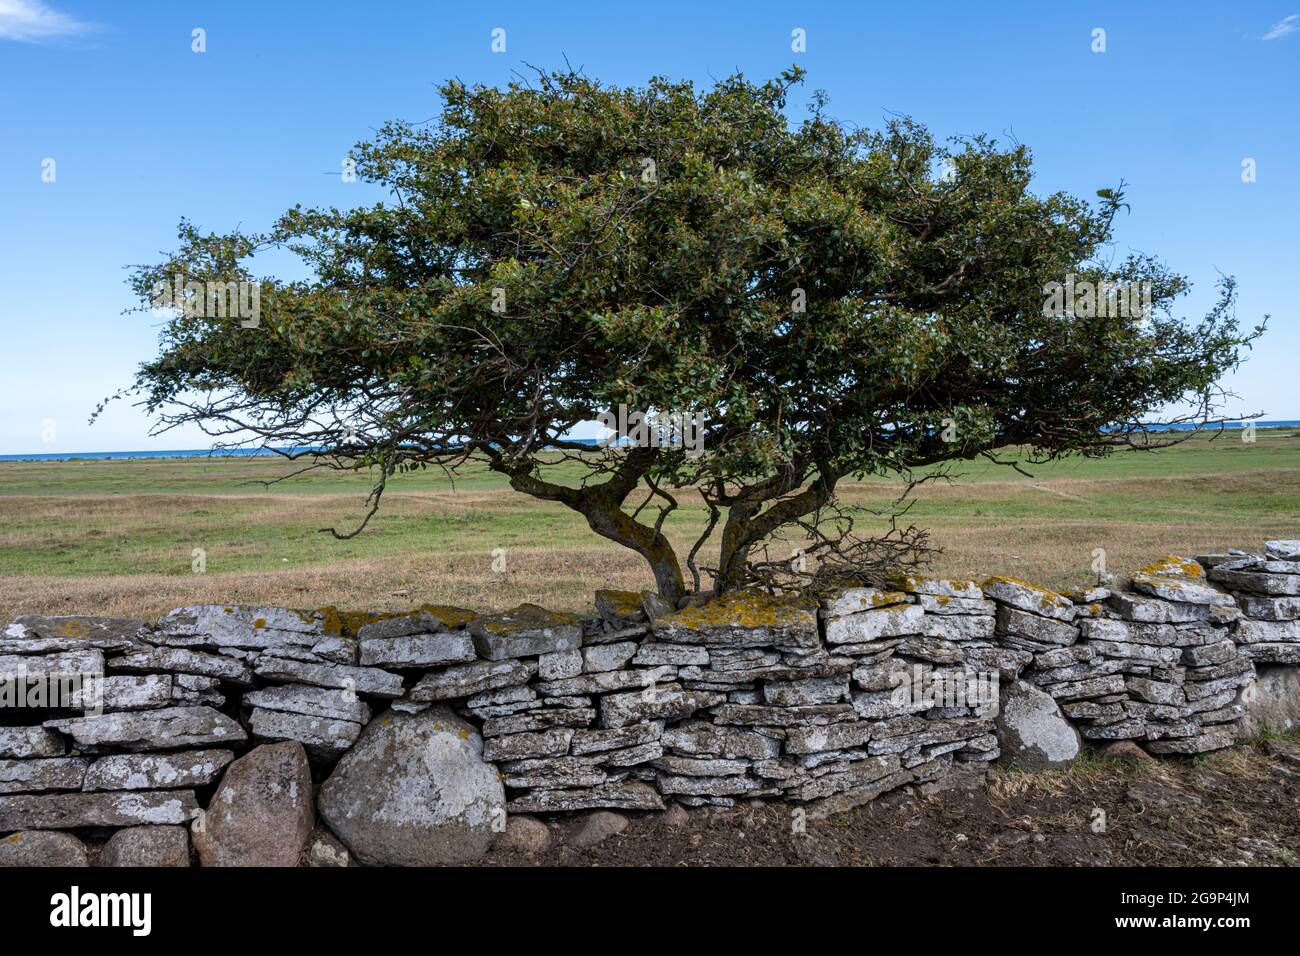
point(173, 453)
point(257, 452)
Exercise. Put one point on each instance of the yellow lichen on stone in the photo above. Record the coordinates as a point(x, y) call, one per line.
point(353, 621)
point(887, 598)
point(743, 609)
point(623, 603)
point(904, 582)
point(537, 612)
point(912, 583)
point(259, 623)
point(528, 617)
point(1004, 579)
point(1171, 565)
point(1172, 583)
point(330, 619)
point(310, 617)
point(449, 616)
point(1046, 598)
point(338, 623)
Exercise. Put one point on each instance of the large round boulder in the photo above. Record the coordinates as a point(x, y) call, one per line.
point(263, 812)
point(414, 791)
point(1032, 732)
point(1271, 701)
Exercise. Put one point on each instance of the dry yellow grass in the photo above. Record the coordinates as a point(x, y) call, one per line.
point(1046, 551)
point(117, 537)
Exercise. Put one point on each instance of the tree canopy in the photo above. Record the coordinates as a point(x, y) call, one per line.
point(831, 302)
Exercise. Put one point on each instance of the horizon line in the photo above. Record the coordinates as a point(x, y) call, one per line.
point(263, 451)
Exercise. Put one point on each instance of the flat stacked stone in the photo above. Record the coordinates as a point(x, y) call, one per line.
point(304, 678)
point(44, 634)
point(1267, 589)
point(742, 619)
point(527, 631)
point(535, 684)
point(822, 722)
point(749, 696)
point(100, 694)
point(1156, 664)
point(1085, 679)
point(1188, 704)
point(325, 721)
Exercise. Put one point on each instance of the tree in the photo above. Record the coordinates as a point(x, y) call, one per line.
point(831, 302)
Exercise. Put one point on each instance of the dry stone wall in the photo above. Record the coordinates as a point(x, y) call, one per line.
point(635, 707)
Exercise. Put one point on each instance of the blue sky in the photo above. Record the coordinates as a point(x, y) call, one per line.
point(144, 131)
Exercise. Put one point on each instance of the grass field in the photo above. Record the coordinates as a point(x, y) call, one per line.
point(118, 536)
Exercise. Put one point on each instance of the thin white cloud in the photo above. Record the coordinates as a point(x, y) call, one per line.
point(1283, 27)
point(32, 21)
